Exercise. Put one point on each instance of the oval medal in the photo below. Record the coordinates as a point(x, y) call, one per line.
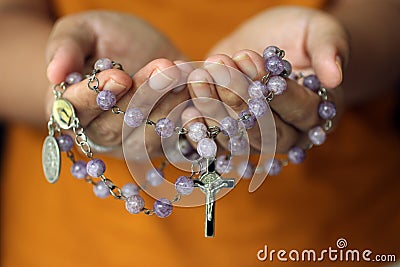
point(51, 160)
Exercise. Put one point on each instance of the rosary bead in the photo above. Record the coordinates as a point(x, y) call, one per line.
point(258, 107)
point(273, 167)
point(184, 185)
point(207, 148)
point(73, 78)
point(317, 135)
point(133, 117)
point(106, 99)
point(296, 155)
point(287, 69)
point(238, 145)
point(165, 127)
point(312, 82)
point(270, 51)
point(257, 90)
point(101, 190)
point(78, 169)
point(274, 65)
point(327, 110)
point(197, 131)
point(229, 126)
point(95, 167)
point(134, 204)
point(245, 169)
point(129, 189)
point(277, 85)
point(223, 164)
point(103, 64)
point(162, 207)
point(155, 177)
point(247, 119)
point(65, 142)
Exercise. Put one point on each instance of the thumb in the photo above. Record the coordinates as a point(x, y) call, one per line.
point(69, 44)
point(327, 44)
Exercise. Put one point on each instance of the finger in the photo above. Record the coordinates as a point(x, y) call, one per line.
point(327, 45)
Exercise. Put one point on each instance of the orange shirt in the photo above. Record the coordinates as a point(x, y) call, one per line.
point(348, 188)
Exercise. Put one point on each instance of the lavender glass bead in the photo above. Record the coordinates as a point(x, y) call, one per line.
point(287, 69)
point(238, 145)
point(155, 177)
point(101, 190)
point(129, 189)
point(312, 82)
point(274, 65)
point(106, 99)
point(327, 110)
point(73, 78)
point(317, 135)
point(162, 207)
point(207, 148)
point(223, 164)
point(277, 85)
point(229, 126)
point(78, 169)
point(296, 155)
point(245, 169)
point(247, 119)
point(273, 166)
point(134, 204)
point(270, 51)
point(103, 64)
point(197, 131)
point(257, 89)
point(258, 107)
point(184, 185)
point(133, 117)
point(165, 127)
point(95, 167)
point(65, 142)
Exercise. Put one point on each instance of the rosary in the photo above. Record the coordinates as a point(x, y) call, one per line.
point(207, 168)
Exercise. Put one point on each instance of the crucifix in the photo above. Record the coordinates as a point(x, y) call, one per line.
point(211, 183)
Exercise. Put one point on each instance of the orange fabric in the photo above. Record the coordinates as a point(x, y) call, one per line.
point(354, 194)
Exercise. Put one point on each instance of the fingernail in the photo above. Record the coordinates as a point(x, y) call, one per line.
point(246, 65)
point(159, 80)
point(201, 88)
point(114, 86)
point(219, 72)
point(340, 67)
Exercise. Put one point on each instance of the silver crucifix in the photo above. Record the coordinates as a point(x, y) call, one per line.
point(210, 183)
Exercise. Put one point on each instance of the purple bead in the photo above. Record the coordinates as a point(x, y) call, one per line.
point(103, 64)
point(73, 78)
point(155, 177)
point(184, 185)
point(270, 51)
point(162, 207)
point(134, 204)
point(229, 126)
point(223, 164)
point(273, 166)
point(296, 155)
point(65, 142)
point(277, 84)
point(133, 117)
point(247, 118)
point(287, 69)
point(312, 82)
point(95, 167)
point(101, 190)
point(78, 169)
point(165, 127)
point(197, 131)
point(129, 189)
point(238, 145)
point(327, 110)
point(317, 135)
point(257, 90)
point(258, 107)
point(274, 65)
point(245, 169)
point(207, 148)
point(106, 99)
